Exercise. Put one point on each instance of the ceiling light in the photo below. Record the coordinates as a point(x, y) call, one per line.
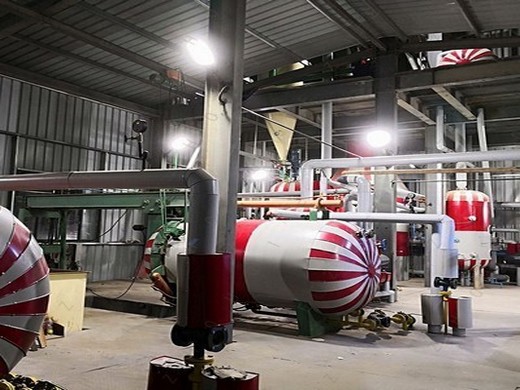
point(200, 52)
point(378, 138)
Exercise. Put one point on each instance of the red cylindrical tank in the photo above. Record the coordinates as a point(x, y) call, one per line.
point(24, 290)
point(472, 215)
point(327, 264)
point(402, 239)
point(402, 246)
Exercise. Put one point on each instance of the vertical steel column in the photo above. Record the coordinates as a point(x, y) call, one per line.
point(326, 138)
point(222, 111)
point(482, 141)
point(386, 118)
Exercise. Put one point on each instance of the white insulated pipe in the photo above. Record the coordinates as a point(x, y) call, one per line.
point(439, 131)
point(203, 198)
point(308, 167)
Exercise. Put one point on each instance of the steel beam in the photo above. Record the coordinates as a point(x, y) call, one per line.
point(460, 75)
point(148, 201)
point(468, 16)
point(261, 37)
point(300, 74)
point(300, 117)
point(88, 61)
point(344, 21)
point(127, 25)
point(92, 40)
point(353, 90)
point(382, 15)
point(348, 19)
point(413, 107)
point(468, 43)
point(454, 102)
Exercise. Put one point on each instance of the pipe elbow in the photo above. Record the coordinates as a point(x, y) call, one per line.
point(201, 180)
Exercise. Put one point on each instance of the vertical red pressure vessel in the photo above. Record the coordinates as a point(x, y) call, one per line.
point(472, 215)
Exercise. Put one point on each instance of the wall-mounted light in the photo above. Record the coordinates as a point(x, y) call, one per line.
point(200, 52)
point(378, 138)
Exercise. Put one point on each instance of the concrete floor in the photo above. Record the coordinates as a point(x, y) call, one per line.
point(115, 349)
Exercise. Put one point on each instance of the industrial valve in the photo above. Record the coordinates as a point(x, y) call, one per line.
point(380, 318)
point(405, 320)
point(445, 283)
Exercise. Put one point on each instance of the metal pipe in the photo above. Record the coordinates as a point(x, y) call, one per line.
point(513, 205)
point(439, 131)
point(326, 140)
point(504, 230)
point(288, 194)
point(291, 203)
point(482, 141)
point(202, 235)
point(378, 161)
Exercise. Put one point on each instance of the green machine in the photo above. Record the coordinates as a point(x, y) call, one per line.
point(165, 212)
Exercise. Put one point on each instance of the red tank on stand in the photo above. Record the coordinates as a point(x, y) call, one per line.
point(472, 215)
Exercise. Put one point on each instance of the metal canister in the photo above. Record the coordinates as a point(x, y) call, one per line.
point(227, 378)
point(169, 373)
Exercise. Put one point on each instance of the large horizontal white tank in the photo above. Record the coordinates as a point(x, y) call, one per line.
point(328, 264)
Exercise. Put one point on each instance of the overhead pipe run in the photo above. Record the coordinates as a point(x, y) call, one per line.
point(203, 197)
point(317, 203)
point(308, 167)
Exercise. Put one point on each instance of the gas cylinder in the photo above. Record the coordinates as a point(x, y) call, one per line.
point(472, 215)
point(330, 265)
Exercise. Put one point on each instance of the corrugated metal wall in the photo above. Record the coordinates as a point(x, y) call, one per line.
point(43, 130)
point(119, 261)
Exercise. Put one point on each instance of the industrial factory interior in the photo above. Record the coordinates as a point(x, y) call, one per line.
point(250, 194)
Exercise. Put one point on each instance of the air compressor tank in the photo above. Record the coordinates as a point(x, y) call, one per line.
point(472, 215)
point(327, 264)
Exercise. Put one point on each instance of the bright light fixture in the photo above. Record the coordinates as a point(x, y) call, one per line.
point(200, 52)
point(179, 144)
point(259, 175)
point(378, 138)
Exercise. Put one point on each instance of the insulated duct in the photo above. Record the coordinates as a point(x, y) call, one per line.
point(203, 197)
